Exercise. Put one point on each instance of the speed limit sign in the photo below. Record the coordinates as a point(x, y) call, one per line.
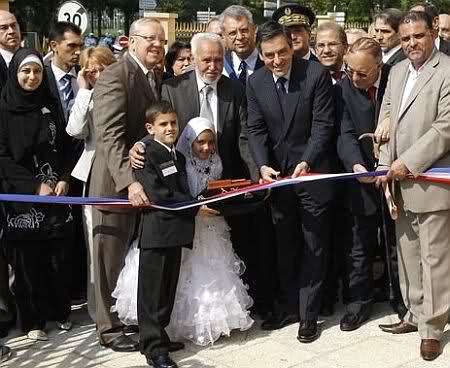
point(74, 12)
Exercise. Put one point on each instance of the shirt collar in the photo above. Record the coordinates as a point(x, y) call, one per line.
point(142, 66)
point(250, 61)
point(415, 73)
point(437, 42)
point(59, 73)
point(201, 84)
point(7, 56)
point(377, 82)
point(170, 149)
point(387, 55)
point(308, 55)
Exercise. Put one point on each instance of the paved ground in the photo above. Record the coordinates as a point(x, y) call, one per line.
point(366, 347)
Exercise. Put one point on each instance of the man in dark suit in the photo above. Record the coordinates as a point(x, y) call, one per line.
point(9, 42)
point(386, 33)
point(357, 102)
point(298, 19)
point(290, 131)
point(122, 94)
point(241, 55)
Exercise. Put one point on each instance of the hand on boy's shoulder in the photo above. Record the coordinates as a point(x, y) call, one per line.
point(136, 195)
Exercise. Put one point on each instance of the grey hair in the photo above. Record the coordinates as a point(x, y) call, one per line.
point(205, 37)
point(236, 12)
point(356, 31)
point(138, 23)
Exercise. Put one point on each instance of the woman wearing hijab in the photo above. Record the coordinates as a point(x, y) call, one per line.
point(34, 146)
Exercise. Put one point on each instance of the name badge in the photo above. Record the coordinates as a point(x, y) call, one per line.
point(168, 168)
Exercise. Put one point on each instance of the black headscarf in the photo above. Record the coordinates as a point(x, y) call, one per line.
point(22, 110)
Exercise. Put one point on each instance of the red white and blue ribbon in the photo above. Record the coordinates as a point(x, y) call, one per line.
point(437, 175)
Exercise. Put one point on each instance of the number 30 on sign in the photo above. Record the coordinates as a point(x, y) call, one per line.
point(74, 12)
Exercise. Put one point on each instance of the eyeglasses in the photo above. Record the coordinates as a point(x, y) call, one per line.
point(332, 45)
point(150, 39)
point(351, 73)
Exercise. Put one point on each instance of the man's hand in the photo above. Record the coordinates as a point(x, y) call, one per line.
point(300, 169)
point(358, 168)
point(136, 195)
point(382, 181)
point(137, 155)
point(398, 171)
point(61, 188)
point(382, 131)
point(45, 190)
point(268, 174)
point(206, 211)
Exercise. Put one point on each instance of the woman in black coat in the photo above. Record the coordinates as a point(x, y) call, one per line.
point(34, 147)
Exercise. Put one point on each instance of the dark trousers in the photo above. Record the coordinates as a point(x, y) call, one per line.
point(42, 271)
point(6, 309)
point(359, 261)
point(253, 239)
point(159, 269)
point(112, 235)
point(301, 265)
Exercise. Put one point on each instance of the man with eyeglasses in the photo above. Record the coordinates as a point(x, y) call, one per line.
point(357, 102)
point(417, 102)
point(298, 20)
point(121, 96)
point(331, 46)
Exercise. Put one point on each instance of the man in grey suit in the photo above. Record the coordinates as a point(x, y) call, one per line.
point(417, 102)
point(122, 94)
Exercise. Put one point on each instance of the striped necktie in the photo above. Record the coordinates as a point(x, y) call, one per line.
point(66, 90)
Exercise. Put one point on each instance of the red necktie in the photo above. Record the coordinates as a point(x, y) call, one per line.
point(372, 92)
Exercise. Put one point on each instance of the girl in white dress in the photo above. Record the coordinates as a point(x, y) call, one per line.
point(211, 298)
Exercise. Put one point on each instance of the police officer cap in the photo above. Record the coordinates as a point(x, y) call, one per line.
point(294, 15)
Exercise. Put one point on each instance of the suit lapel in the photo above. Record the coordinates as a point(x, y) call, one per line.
point(193, 92)
point(140, 79)
point(272, 99)
point(423, 79)
point(223, 104)
point(293, 97)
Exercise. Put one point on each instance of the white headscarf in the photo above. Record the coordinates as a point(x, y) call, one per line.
point(199, 172)
point(31, 59)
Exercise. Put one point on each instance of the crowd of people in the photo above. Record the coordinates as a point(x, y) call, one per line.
point(239, 101)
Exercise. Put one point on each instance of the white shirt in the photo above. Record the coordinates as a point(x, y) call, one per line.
point(387, 55)
point(7, 56)
point(250, 61)
point(437, 42)
point(59, 74)
point(412, 78)
point(287, 76)
point(170, 149)
point(213, 97)
point(332, 72)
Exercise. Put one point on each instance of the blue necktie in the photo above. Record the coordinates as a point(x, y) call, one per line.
point(67, 90)
point(243, 74)
point(281, 92)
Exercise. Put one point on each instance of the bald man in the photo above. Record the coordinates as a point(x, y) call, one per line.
point(9, 42)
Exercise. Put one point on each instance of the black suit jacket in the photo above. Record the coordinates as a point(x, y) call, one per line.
point(307, 131)
point(182, 93)
point(3, 72)
point(356, 115)
point(164, 229)
point(444, 46)
point(396, 58)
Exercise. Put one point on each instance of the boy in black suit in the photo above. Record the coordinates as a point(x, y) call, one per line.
point(162, 234)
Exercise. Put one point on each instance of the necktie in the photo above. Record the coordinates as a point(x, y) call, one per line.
point(152, 82)
point(281, 91)
point(205, 108)
point(243, 74)
point(337, 75)
point(174, 155)
point(67, 90)
point(372, 93)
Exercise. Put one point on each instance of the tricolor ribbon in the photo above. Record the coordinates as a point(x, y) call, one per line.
point(438, 175)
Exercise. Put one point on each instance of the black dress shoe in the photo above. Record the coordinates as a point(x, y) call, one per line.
point(162, 361)
point(123, 344)
point(352, 321)
point(277, 321)
point(175, 346)
point(307, 331)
